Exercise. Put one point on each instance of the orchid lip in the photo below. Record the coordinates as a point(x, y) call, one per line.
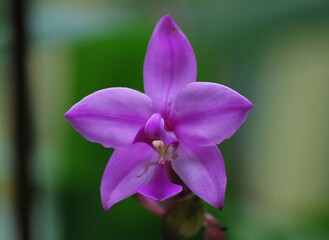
point(160, 187)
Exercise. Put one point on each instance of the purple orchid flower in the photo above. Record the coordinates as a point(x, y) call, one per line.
point(175, 125)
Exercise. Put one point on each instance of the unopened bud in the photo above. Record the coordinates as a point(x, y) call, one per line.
point(184, 219)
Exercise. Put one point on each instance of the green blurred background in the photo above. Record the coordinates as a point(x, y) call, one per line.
point(276, 53)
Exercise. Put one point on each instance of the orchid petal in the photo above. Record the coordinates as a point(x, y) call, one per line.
point(127, 169)
point(208, 113)
point(160, 188)
point(169, 63)
point(203, 171)
point(111, 117)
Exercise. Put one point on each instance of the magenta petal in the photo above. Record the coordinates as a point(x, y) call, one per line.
point(202, 169)
point(111, 117)
point(160, 188)
point(169, 63)
point(208, 113)
point(127, 169)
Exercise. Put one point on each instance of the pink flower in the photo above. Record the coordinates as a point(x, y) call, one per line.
point(175, 125)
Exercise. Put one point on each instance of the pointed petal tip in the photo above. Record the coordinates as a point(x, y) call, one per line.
point(71, 113)
point(249, 105)
point(106, 207)
point(219, 205)
point(245, 102)
point(167, 17)
point(67, 115)
point(105, 201)
point(216, 203)
point(168, 24)
point(70, 116)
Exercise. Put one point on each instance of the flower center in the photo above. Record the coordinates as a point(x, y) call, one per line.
point(166, 153)
point(157, 136)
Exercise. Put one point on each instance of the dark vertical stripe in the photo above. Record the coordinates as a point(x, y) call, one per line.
point(22, 134)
